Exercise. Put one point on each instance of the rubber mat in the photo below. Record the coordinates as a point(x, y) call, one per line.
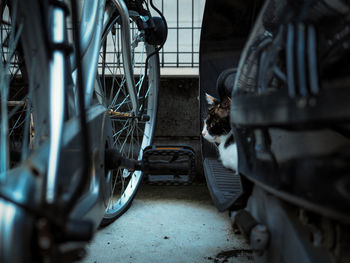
point(224, 186)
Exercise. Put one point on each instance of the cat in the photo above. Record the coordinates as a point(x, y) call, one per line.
point(217, 129)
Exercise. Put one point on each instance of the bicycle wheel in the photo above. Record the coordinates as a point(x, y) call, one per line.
point(131, 134)
point(20, 130)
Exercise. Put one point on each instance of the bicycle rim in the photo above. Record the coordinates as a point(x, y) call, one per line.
point(130, 135)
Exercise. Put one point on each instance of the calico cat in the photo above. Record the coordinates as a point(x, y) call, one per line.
point(217, 129)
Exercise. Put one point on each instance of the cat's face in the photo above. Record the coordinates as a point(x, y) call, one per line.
point(217, 123)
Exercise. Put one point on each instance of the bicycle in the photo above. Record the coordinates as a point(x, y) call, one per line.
point(66, 101)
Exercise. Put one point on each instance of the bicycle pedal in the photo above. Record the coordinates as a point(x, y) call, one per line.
point(170, 164)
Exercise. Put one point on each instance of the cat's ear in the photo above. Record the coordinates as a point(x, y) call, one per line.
point(210, 99)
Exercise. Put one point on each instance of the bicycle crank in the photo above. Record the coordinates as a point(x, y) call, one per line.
point(170, 164)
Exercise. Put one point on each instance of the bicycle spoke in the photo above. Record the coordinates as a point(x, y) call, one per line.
point(114, 68)
point(125, 140)
point(25, 148)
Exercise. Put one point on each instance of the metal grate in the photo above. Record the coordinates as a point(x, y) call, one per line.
point(184, 18)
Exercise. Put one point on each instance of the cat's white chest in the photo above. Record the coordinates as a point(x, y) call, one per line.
point(229, 156)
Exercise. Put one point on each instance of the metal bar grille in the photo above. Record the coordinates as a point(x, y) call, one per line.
point(184, 18)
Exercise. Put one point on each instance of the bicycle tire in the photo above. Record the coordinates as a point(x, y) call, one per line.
point(113, 94)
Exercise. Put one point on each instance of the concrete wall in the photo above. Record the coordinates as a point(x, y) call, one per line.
point(178, 115)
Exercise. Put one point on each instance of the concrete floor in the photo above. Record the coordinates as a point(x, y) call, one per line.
point(175, 224)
